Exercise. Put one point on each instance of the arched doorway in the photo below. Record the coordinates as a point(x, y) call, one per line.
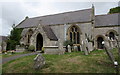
point(39, 42)
point(99, 43)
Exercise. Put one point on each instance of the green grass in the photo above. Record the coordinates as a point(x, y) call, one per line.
point(75, 62)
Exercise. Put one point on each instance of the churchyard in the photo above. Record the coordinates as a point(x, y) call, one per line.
point(75, 62)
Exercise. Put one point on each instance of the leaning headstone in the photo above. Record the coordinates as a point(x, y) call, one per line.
point(85, 49)
point(39, 61)
point(109, 53)
point(69, 48)
point(111, 57)
point(118, 45)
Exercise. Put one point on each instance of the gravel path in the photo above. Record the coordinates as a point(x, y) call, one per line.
point(4, 60)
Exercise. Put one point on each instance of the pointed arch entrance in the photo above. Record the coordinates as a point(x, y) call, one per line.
point(39, 42)
point(99, 43)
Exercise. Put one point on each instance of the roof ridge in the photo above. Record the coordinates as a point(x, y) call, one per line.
point(62, 13)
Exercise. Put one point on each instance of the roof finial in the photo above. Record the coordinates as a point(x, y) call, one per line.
point(26, 17)
point(92, 5)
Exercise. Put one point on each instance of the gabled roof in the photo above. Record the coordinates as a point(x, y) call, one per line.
point(50, 33)
point(61, 18)
point(107, 20)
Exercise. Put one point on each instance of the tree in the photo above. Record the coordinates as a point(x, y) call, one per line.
point(14, 38)
point(114, 10)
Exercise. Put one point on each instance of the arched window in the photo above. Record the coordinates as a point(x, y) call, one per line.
point(74, 35)
point(30, 32)
point(111, 35)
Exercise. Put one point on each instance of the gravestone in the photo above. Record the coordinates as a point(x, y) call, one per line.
point(84, 49)
point(69, 48)
point(118, 47)
point(60, 50)
point(39, 61)
point(111, 57)
point(75, 48)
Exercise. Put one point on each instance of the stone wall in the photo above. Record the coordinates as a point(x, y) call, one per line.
point(102, 31)
point(119, 35)
point(51, 50)
point(60, 32)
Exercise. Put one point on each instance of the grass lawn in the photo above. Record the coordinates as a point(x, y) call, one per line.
point(75, 62)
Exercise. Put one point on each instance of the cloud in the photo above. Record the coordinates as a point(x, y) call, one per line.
point(16, 11)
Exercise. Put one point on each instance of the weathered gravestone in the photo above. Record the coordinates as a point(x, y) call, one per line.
point(69, 48)
point(39, 61)
point(118, 47)
point(109, 53)
point(61, 50)
point(111, 57)
point(84, 48)
point(75, 48)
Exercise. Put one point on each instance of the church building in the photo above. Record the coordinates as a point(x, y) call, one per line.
point(82, 27)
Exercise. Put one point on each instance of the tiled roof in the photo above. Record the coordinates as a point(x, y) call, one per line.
point(61, 18)
point(107, 20)
point(50, 33)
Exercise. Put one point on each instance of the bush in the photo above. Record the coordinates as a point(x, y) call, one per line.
point(68, 42)
point(42, 49)
point(31, 48)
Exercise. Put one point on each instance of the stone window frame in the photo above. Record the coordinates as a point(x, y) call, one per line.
point(29, 34)
point(71, 30)
point(113, 31)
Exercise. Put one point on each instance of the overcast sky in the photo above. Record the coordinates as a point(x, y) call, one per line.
point(15, 12)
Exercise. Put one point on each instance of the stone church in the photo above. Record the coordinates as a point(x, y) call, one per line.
point(51, 31)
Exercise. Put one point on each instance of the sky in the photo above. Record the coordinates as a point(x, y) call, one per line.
point(13, 12)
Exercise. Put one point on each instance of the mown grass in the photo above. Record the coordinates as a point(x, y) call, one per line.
point(75, 62)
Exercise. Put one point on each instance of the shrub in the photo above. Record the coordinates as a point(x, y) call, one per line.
point(68, 42)
point(31, 48)
point(42, 49)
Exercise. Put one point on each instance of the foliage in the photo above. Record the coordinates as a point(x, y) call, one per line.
point(114, 10)
point(31, 48)
point(42, 49)
point(67, 42)
point(14, 38)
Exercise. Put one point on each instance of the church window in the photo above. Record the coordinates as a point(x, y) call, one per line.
point(30, 32)
point(74, 35)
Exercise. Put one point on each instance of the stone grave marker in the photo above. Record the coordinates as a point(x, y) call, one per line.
point(111, 57)
point(84, 49)
point(69, 48)
point(75, 48)
point(39, 61)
